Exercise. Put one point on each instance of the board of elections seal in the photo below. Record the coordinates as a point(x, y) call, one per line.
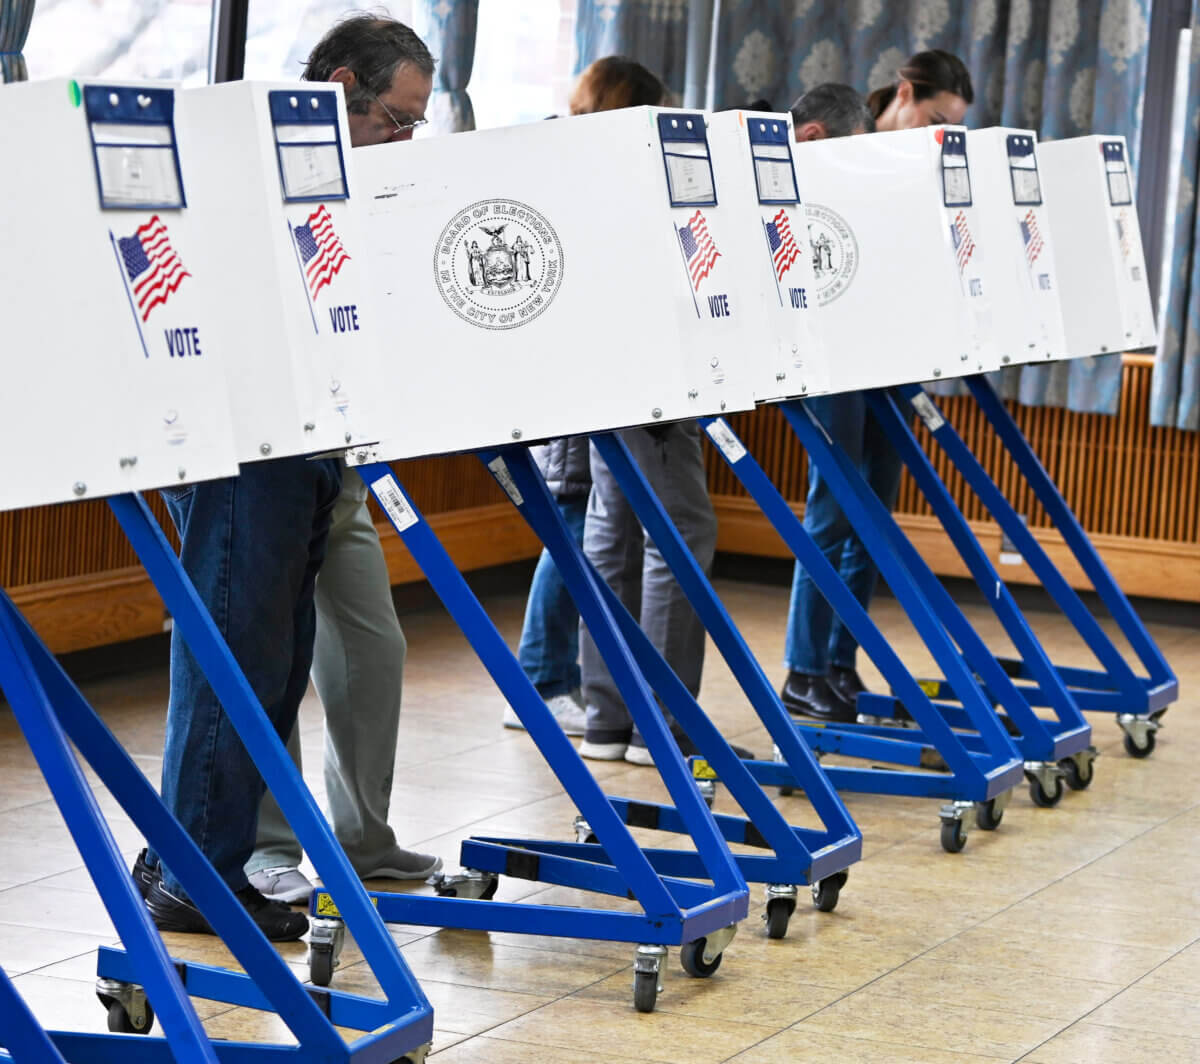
point(498, 264)
point(834, 252)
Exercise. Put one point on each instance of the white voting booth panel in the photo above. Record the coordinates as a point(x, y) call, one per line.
point(1094, 222)
point(284, 243)
point(897, 257)
point(768, 240)
point(1015, 228)
point(550, 279)
point(113, 370)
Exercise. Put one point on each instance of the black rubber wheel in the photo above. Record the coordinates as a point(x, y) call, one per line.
point(591, 840)
point(1133, 750)
point(786, 791)
point(320, 966)
point(1077, 779)
point(825, 893)
point(120, 1022)
point(645, 991)
point(489, 892)
point(954, 838)
point(691, 956)
point(1042, 797)
point(986, 816)
point(779, 912)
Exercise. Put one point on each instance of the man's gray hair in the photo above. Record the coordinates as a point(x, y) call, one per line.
point(840, 109)
point(374, 47)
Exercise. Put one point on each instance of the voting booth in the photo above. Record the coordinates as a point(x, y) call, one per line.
point(114, 361)
point(1015, 228)
point(288, 262)
point(1094, 222)
point(523, 276)
point(768, 239)
point(898, 258)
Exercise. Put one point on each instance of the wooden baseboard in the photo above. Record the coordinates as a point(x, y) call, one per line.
point(91, 611)
point(1154, 568)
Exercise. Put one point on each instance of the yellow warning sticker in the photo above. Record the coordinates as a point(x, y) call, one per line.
point(326, 907)
point(932, 688)
point(702, 770)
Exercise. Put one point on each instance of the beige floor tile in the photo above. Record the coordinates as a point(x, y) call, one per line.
point(806, 1046)
point(26, 949)
point(1087, 1041)
point(485, 1050)
point(582, 1025)
point(1144, 1009)
point(1180, 974)
point(1163, 931)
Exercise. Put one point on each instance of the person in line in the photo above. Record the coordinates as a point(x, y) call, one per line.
point(932, 88)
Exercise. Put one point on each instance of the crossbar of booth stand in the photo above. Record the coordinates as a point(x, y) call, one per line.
point(1145, 695)
point(27, 1042)
point(673, 912)
point(969, 777)
point(1037, 742)
point(699, 591)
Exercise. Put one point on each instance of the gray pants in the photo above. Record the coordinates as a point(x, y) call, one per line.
point(358, 668)
point(627, 559)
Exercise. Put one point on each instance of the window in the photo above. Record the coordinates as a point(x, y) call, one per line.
point(166, 39)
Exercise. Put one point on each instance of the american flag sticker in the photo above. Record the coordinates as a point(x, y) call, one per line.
point(321, 252)
point(154, 270)
point(1032, 238)
point(960, 236)
point(782, 244)
point(699, 251)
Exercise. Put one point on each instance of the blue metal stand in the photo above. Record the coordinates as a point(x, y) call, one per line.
point(27, 1042)
point(1138, 701)
point(981, 767)
point(675, 911)
point(1045, 745)
point(51, 710)
point(820, 856)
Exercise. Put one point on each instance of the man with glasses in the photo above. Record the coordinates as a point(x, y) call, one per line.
point(358, 661)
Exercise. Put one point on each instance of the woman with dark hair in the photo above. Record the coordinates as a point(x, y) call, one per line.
point(615, 82)
point(932, 88)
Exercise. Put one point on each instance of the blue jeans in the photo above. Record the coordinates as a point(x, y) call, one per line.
point(816, 638)
point(252, 545)
point(549, 650)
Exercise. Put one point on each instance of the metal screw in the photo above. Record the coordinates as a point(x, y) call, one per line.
point(656, 412)
point(182, 472)
point(309, 426)
point(937, 372)
point(795, 348)
point(516, 434)
point(722, 404)
point(1005, 359)
point(349, 436)
point(80, 488)
point(264, 449)
point(361, 456)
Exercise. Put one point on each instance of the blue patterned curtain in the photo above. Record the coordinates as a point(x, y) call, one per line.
point(1064, 68)
point(448, 28)
point(15, 17)
point(1175, 392)
point(654, 32)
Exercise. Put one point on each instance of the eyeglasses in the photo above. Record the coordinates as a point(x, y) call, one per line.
point(401, 127)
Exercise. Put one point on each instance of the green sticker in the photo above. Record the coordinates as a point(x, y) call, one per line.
point(75, 94)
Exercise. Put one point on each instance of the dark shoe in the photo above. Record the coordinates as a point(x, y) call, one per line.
point(846, 683)
point(274, 919)
point(811, 696)
point(638, 754)
point(143, 875)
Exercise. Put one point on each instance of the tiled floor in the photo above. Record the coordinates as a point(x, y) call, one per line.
point(1070, 934)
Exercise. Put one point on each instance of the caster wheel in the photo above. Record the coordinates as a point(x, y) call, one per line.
point(986, 816)
point(1134, 750)
point(779, 912)
point(1046, 799)
point(320, 967)
point(786, 792)
point(645, 991)
point(825, 893)
point(591, 840)
point(691, 956)
point(953, 836)
point(1077, 779)
point(120, 1022)
point(489, 892)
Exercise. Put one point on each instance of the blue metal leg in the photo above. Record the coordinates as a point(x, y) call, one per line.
point(1143, 696)
point(26, 1041)
point(1036, 742)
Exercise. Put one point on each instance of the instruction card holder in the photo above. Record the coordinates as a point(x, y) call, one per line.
point(1023, 169)
point(1120, 188)
point(771, 153)
point(956, 177)
point(133, 147)
point(686, 159)
point(308, 145)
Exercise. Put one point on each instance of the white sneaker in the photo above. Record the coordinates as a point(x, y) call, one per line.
point(602, 751)
point(288, 885)
point(570, 716)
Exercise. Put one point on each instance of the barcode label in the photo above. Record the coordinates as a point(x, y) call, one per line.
point(728, 444)
point(504, 479)
point(928, 411)
point(392, 499)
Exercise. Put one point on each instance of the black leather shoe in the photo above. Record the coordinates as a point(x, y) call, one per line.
point(811, 696)
point(846, 683)
point(143, 875)
point(276, 920)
